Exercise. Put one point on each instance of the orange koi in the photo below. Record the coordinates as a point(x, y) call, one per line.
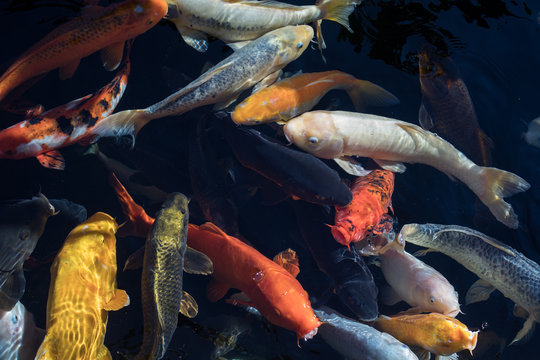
point(98, 28)
point(293, 96)
point(436, 333)
point(41, 134)
point(271, 286)
point(372, 197)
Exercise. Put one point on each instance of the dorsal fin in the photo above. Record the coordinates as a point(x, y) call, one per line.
point(289, 261)
point(211, 227)
point(493, 242)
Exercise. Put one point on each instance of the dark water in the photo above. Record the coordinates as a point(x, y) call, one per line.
point(496, 46)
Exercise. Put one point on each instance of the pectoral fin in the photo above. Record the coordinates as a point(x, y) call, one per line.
point(420, 253)
point(52, 160)
point(289, 261)
point(194, 38)
point(111, 56)
point(267, 81)
point(226, 102)
point(195, 262)
point(392, 166)
point(118, 301)
point(67, 71)
point(479, 291)
point(424, 118)
point(216, 290)
point(103, 353)
point(520, 312)
point(526, 331)
point(389, 296)
point(188, 306)
point(351, 166)
point(135, 260)
point(238, 44)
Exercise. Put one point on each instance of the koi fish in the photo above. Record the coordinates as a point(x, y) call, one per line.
point(21, 224)
point(161, 280)
point(259, 62)
point(99, 28)
point(237, 22)
point(82, 291)
point(43, 133)
point(299, 174)
point(19, 336)
point(293, 96)
point(337, 134)
point(271, 288)
point(447, 108)
point(498, 265)
point(435, 333)
point(352, 280)
point(420, 285)
point(372, 197)
point(355, 340)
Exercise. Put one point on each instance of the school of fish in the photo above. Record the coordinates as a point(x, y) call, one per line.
point(336, 183)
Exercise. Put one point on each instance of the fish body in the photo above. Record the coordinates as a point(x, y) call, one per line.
point(82, 291)
point(234, 21)
point(222, 83)
point(388, 141)
point(19, 336)
point(100, 28)
point(299, 174)
point(436, 333)
point(498, 265)
point(271, 289)
point(358, 341)
point(161, 280)
point(42, 134)
point(420, 285)
point(532, 136)
point(447, 108)
point(21, 224)
point(293, 96)
point(372, 197)
point(351, 278)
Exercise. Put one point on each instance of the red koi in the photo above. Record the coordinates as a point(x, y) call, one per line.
point(41, 134)
point(372, 197)
point(271, 286)
point(98, 28)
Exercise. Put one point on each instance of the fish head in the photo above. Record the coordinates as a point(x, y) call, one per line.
point(256, 108)
point(11, 328)
point(142, 14)
point(315, 133)
point(437, 73)
point(292, 41)
point(436, 294)
point(417, 234)
point(285, 303)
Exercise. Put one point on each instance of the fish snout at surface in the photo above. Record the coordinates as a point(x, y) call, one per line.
point(316, 133)
point(148, 11)
point(294, 41)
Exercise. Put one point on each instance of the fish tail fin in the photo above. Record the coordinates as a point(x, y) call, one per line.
point(337, 10)
point(138, 223)
point(495, 185)
point(127, 122)
point(365, 93)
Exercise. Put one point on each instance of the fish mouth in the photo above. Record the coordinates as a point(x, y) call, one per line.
point(310, 334)
point(341, 235)
point(453, 313)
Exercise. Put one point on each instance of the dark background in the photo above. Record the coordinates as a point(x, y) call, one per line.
point(495, 44)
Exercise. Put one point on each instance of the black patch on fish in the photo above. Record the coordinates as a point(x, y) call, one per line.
point(64, 125)
point(116, 88)
point(35, 120)
point(104, 104)
point(87, 118)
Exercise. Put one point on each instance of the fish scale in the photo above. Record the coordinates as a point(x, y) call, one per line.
point(161, 283)
point(506, 269)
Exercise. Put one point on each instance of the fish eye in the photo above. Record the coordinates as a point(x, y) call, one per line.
point(432, 300)
point(14, 319)
point(300, 44)
point(313, 140)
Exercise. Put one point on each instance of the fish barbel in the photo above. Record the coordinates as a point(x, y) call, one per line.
point(161, 280)
point(498, 265)
point(238, 21)
point(338, 134)
point(221, 84)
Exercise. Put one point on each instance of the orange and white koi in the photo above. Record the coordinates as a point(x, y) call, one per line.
point(372, 197)
point(293, 96)
point(271, 288)
point(436, 333)
point(99, 28)
point(41, 134)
